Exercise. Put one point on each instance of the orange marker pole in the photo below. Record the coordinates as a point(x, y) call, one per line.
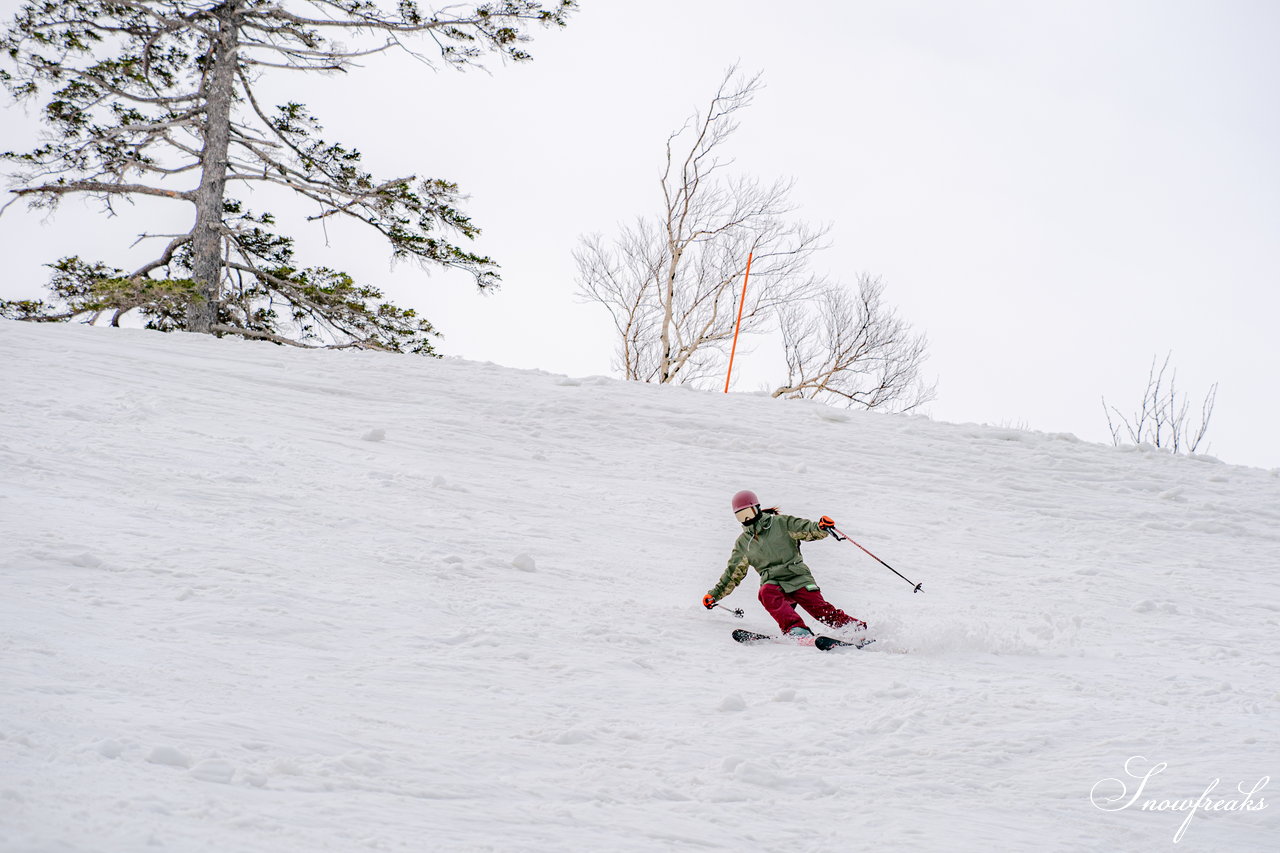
point(737, 326)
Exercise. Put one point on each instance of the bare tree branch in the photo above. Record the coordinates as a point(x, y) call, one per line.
point(1161, 419)
point(854, 350)
point(102, 188)
point(671, 282)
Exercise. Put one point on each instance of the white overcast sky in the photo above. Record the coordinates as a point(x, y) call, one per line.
point(1053, 191)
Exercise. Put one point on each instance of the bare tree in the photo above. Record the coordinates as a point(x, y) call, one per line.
point(1162, 417)
point(671, 282)
point(165, 98)
point(854, 350)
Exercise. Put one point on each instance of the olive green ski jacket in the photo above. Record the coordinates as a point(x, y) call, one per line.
point(771, 546)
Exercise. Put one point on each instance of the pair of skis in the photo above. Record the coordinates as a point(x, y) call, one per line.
point(821, 643)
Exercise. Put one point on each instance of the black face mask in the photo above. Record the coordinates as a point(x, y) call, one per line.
point(752, 520)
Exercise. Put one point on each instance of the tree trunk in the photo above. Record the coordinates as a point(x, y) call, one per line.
point(206, 236)
point(668, 309)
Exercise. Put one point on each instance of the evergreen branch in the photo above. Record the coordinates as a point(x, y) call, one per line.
point(110, 89)
point(165, 258)
point(149, 127)
point(259, 334)
point(261, 63)
point(305, 53)
point(414, 23)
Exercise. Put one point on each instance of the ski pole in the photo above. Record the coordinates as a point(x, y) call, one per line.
point(841, 537)
point(736, 611)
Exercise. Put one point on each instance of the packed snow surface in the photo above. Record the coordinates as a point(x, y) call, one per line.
point(260, 599)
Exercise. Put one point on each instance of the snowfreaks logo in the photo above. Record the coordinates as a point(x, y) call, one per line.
point(1246, 800)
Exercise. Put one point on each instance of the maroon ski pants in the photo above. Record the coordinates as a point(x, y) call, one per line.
point(782, 607)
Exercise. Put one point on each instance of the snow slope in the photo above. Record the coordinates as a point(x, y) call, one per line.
point(258, 599)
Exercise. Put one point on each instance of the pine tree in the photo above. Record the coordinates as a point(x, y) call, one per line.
point(160, 98)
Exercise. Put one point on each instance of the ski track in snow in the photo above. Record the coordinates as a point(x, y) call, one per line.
point(257, 599)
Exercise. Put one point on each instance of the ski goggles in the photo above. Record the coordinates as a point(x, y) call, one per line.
point(747, 514)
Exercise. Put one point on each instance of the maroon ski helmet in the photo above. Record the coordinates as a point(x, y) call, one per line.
point(744, 499)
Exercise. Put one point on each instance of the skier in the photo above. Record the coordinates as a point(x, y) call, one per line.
point(770, 543)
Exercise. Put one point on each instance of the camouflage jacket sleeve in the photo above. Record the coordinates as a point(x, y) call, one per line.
point(802, 529)
point(733, 573)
